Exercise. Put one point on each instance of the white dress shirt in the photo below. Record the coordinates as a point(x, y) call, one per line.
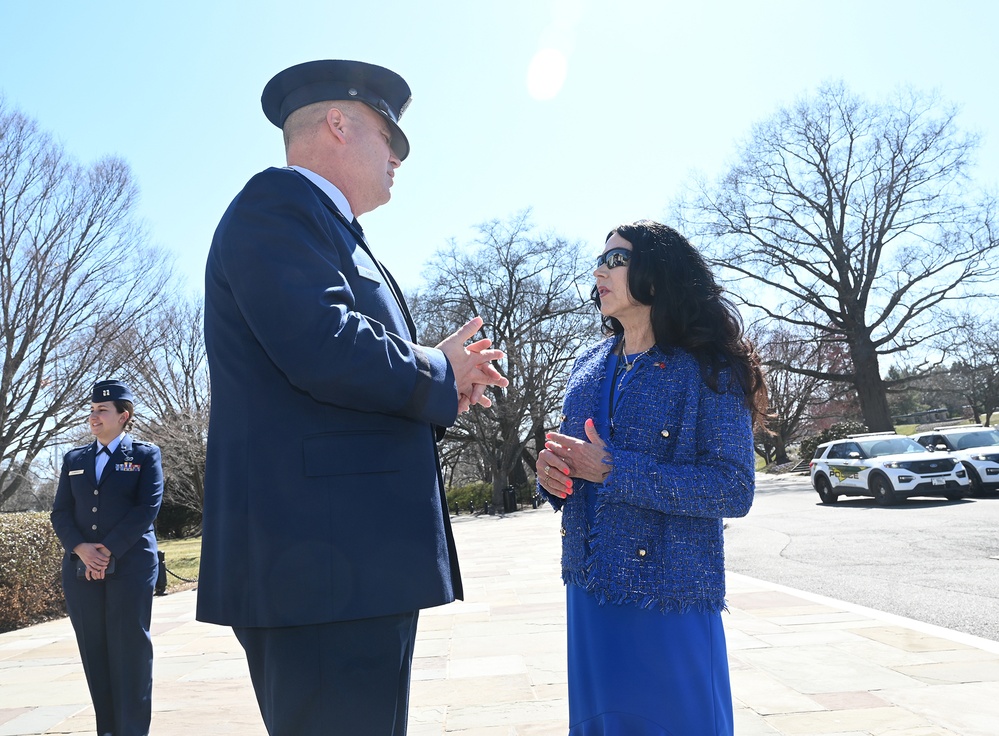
point(102, 458)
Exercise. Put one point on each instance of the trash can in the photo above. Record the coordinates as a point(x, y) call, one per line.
point(509, 499)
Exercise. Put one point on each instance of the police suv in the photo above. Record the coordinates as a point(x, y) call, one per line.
point(977, 447)
point(887, 466)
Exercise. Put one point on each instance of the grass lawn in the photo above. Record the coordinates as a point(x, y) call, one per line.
point(183, 556)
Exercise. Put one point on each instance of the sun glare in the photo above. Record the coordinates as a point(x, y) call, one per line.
point(546, 74)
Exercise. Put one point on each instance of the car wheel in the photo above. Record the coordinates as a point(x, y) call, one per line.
point(825, 491)
point(977, 489)
point(882, 490)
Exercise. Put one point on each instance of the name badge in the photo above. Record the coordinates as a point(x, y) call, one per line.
point(76, 472)
point(369, 274)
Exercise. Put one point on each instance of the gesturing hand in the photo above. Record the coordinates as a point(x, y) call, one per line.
point(587, 459)
point(472, 365)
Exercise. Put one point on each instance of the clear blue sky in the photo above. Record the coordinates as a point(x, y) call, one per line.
point(652, 91)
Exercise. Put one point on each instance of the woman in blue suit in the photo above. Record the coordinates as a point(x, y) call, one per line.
point(655, 449)
point(109, 494)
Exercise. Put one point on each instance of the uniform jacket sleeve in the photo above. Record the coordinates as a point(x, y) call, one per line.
point(62, 516)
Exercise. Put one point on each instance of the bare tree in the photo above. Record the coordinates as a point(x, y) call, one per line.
point(76, 277)
point(857, 220)
point(174, 385)
point(974, 375)
point(792, 395)
point(532, 292)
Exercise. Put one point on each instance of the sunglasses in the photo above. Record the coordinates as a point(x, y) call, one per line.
point(614, 257)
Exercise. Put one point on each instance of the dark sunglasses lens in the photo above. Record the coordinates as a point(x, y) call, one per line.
point(613, 258)
point(617, 259)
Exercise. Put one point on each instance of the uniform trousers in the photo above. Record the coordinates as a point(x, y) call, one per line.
point(345, 678)
point(111, 620)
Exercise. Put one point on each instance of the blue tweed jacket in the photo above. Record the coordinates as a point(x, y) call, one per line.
point(683, 460)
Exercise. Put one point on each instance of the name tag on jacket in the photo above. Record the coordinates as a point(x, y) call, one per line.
point(76, 472)
point(369, 274)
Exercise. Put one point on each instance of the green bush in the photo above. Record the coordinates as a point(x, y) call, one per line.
point(835, 432)
point(30, 570)
point(177, 522)
point(462, 499)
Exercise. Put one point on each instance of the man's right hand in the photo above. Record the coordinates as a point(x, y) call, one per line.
point(472, 365)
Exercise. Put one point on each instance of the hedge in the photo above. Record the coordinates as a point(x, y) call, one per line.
point(463, 499)
point(30, 571)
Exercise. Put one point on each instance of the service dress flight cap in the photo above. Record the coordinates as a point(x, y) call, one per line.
point(111, 391)
point(381, 89)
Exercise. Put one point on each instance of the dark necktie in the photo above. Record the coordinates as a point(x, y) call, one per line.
point(103, 450)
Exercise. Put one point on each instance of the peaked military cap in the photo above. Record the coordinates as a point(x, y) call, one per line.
point(111, 390)
point(315, 81)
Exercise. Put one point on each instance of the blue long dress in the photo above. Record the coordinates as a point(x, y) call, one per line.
point(637, 671)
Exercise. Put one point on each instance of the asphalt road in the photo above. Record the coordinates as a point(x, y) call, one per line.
point(931, 560)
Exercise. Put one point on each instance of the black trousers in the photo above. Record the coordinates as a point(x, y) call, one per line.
point(348, 678)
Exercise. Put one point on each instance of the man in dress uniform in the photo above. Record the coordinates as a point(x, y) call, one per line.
point(108, 496)
point(325, 523)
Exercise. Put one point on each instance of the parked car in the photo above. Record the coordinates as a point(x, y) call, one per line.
point(977, 447)
point(887, 466)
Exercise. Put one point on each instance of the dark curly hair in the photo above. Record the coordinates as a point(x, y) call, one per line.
point(689, 309)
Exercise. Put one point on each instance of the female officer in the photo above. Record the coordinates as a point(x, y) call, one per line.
point(109, 494)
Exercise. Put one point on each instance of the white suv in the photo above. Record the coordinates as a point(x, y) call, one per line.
point(886, 466)
point(976, 446)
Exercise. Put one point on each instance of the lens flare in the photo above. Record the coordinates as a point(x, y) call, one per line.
point(546, 74)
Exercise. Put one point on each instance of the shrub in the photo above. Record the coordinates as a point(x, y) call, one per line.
point(835, 432)
point(464, 498)
point(175, 521)
point(30, 570)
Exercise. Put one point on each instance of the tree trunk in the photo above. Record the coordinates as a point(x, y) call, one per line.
point(870, 387)
point(11, 489)
point(780, 449)
point(499, 483)
point(975, 411)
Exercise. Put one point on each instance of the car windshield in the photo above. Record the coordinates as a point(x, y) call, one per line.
point(978, 438)
point(890, 446)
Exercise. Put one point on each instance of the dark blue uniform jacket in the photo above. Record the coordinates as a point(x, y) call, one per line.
point(119, 511)
point(322, 493)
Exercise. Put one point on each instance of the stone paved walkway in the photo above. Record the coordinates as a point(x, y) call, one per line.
point(494, 665)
